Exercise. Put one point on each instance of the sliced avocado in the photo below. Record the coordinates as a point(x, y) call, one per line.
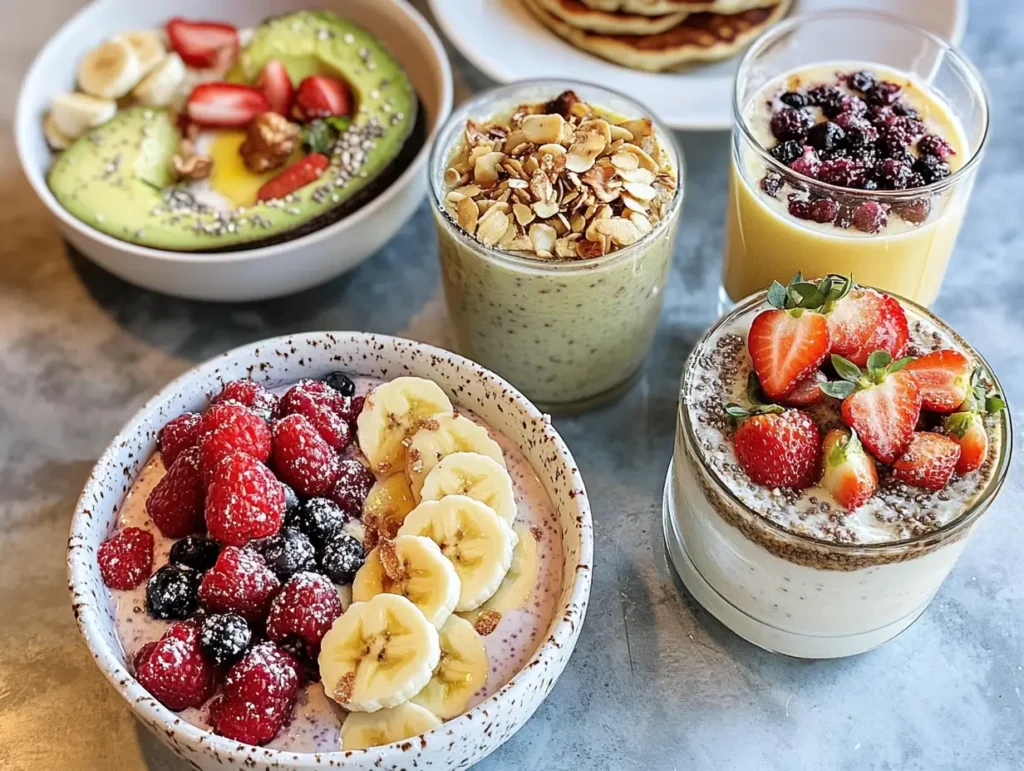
point(117, 177)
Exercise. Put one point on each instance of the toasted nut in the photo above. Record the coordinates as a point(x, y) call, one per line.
point(541, 187)
point(599, 179)
point(625, 161)
point(588, 249)
point(621, 231)
point(551, 149)
point(471, 191)
point(468, 214)
point(599, 126)
point(543, 238)
point(633, 205)
point(452, 177)
point(545, 209)
point(640, 191)
point(641, 223)
point(562, 104)
point(584, 151)
point(492, 226)
point(269, 140)
point(542, 129)
point(639, 128)
point(620, 134)
point(565, 248)
point(524, 214)
point(485, 170)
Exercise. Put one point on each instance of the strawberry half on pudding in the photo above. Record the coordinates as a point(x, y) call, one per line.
point(204, 137)
point(835, 445)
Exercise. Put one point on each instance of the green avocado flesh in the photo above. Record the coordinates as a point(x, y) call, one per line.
point(117, 177)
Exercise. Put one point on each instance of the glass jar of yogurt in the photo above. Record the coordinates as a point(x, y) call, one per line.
point(790, 570)
point(564, 300)
point(873, 192)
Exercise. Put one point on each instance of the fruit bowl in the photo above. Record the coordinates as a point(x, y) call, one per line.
point(458, 743)
point(248, 273)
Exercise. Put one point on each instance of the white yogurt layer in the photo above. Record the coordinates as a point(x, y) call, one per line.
point(316, 720)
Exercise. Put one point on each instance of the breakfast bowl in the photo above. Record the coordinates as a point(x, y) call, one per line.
point(537, 457)
point(382, 50)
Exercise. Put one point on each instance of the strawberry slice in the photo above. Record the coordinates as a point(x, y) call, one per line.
point(967, 429)
point(225, 105)
point(299, 174)
point(277, 87)
point(778, 448)
point(882, 405)
point(319, 96)
point(807, 392)
point(928, 462)
point(203, 44)
point(787, 346)
point(865, 321)
point(850, 475)
point(944, 378)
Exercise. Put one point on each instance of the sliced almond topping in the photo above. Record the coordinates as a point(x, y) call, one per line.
point(485, 172)
point(639, 128)
point(620, 134)
point(599, 179)
point(565, 248)
point(641, 223)
point(621, 231)
point(454, 197)
point(541, 187)
point(452, 177)
point(468, 214)
point(551, 149)
point(588, 249)
point(584, 151)
point(577, 223)
point(625, 161)
point(524, 214)
point(492, 226)
point(633, 205)
point(599, 126)
point(515, 139)
point(542, 129)
point(643, 157)
point(518, 184)
point(521, 243)
point(543, 237)
point(640, 191)
point(545, 209)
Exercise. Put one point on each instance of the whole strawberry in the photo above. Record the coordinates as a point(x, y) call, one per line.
point(301, 457)
point(175, 504)
point(126, 558)
point(303, 612)
point(850, 475)
point(928, 462)
point(967, 428)
point(777, 447)
point(244, 501)
point(249, 394)
point(174, 670)
point(881, 404)
point(177, 436)
point(227, 428)
point(259, 693)
point(239, 582)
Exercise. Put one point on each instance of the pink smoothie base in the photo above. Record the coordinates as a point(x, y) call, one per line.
point(316, 720)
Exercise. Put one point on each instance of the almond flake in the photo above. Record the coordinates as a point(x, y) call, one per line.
point(492, 226)
point(543, 237)
point(543, 129)
point(471, 191)
point(468, 213)
point(641, 223)
point(545, 209)
point(577, 223)
point(620, 134)
point(641, 192)
point(452, 177)
point(565, 248)
point(632, 204)
point(621, 231)
point(625, 161)
point(541, 187)
point(521, 243)
point(524, 214)
point(639, 128)
point(588, 249)
point(519, 184)
point(485, 173)
point(598, 126)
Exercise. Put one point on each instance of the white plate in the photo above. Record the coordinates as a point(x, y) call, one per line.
point(502, 38)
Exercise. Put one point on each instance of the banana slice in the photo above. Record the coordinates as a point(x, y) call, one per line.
point(461, 673)
point(414, 567)
point(159, 87)
point(392, 413)
point(378, 654)
point(477, 541)
point(475, 476)
point(55, 138)
point(74, 114)
point(384, 509)
point(110, 70)
point(443, 435)
point(517, 587)
point(362, 730)
point(148, 46)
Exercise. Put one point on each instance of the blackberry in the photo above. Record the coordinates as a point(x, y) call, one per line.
point(224, 638)
point(861, 81)
point(899, 132)
point(931, 168)
point(892, 174)
point(858, 130)
point(771, 183)
point(790, 123)
point(342, 558)
point(842, 172)
point(825, 136)
point(341, 383)
point(198, 552)
point(172, 592)
point(930, 144)
point(287, 553)
point(795, 99)
point(852, 105)
point(787, 152)
point(902, 108)
point(869, 217)
point(320, 520)
point(883, 93)
point(828, 98)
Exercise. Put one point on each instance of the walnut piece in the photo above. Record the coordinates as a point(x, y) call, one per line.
point(187, 164)
point(269, 140)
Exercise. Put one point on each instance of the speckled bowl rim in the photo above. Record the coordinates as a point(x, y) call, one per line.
point(564, 631)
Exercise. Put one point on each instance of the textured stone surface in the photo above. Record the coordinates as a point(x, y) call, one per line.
point(655, 682)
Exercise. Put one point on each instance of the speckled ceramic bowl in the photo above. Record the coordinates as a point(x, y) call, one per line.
point(458, 743)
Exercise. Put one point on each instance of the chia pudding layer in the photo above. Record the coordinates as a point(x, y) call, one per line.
point(565, 313)
point(316, 720)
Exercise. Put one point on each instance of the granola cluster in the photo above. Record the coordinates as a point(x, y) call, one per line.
point(559, 181)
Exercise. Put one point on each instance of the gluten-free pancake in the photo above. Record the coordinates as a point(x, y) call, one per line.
point(700, 37)
point(577, 14)
point(662, 7)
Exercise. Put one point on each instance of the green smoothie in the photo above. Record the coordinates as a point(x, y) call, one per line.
point(556, 222)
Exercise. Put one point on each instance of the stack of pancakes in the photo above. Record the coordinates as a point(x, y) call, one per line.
point(658, 35)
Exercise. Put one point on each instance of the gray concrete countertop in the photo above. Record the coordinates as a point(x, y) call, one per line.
point(655, 682)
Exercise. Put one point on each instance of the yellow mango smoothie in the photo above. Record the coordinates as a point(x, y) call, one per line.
point(845, 167)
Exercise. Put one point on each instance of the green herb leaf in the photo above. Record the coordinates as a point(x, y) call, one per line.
point(807, 296)
point(853, 443)
point(846, 369)
point(995, 403)
point(899, 364)
point(777, 295)
point(318, 137)
point(754, 392)
point(339, 123)
point(734, 410)
point(837, 389)
point(879, 360)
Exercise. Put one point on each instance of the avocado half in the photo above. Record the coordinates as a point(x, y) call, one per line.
point(117, 177)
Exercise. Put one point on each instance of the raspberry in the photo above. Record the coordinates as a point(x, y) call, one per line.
point(302, 458)
point(287, 553)
point(244, 501)
point(225, 638)
point(259, 693)
point(239, 582)
point(842, 172)
point(321, 405)
point(789, 123)
point(249, 394)
point(142, 654)
point(126, 558)
point(870, 217)
point(177, 436)
point(807, 164)
point(171, 592)
point(303, 612)
point(351, 487)
point(197, 552)
point(174, 669)
point(893, 174)
point(228, 428)
point(176, 503)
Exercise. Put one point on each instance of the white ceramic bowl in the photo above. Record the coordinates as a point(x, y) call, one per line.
point(251, 274)
point(456, 744)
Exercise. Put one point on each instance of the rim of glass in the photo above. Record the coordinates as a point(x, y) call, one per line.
point(440, 151)
point(963, 520)
point(774, 33)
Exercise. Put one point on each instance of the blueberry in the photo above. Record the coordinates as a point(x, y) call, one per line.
point(224, 638)
point(787, 152)
point(795, 99)
point(195, 551)
point(771, 183)
point(321, 520)
point(341, 383)
point(287, 553)
point(291, 500)
point(825, 136)
point(861, 81)
point(828, 98)
point(342, 558)
point(172, 592)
